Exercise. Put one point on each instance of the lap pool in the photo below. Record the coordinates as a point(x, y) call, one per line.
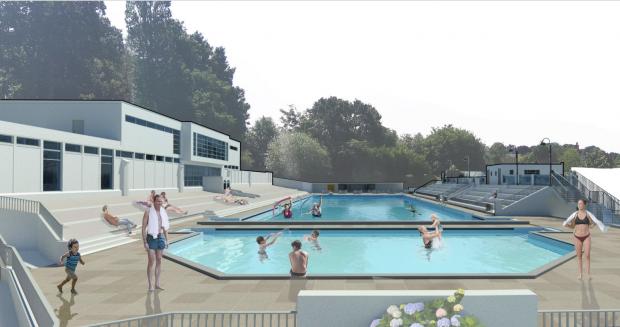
point(374, 252)
point(366, 208)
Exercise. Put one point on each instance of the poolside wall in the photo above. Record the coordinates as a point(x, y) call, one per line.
point(27, 231)
point(506, 308)
point(246, 177)
point(323, 187)
point(545, 202)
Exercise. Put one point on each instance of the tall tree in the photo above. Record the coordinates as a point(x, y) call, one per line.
point(448, 145)
point(594, 157)
point(290, 119)
point(497, 153)
point(298, 156)
point(258, 138)
point(571, 158)
point(60, 50)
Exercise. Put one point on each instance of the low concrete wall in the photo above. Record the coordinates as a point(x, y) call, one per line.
point(16, 313)
point(213, 184)
point(26, 231)
point(506, 308)
point(289, 183)
point(545, 202)
point(245, 177)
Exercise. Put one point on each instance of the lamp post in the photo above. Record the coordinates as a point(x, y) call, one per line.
point(512, 148)
point(543, 143)
point(468, 171)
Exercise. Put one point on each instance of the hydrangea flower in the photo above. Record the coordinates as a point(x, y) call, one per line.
point(457, 308)
point(396, 322)
point(460, 291)
point(397, 314)
point(419, 306)
point(441, 312)
point(391, 309)
point(443, 322)
point(454, 321)
point(415, 324)
point(411, 308)
point(451, 299)
point(375, 323)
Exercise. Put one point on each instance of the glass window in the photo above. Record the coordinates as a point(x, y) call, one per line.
point(159, 158)
point(193, 174)
point(107, 169)
point(130, 119)
point(52, 172)
point(27, 141)
point(91, 150)
point(124, 154)
point(176, 160)
point(73, 147)
point(208, 147)
point(234, 148)
point(139, 155)
point(6, 138)
point(176, 142)
point(168, 159)
point(150, 157)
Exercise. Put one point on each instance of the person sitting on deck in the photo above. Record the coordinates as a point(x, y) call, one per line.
point(115, 221)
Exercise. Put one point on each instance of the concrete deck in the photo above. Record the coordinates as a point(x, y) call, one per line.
point(112, 285)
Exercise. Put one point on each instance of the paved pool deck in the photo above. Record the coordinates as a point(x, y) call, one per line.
point(112, 284)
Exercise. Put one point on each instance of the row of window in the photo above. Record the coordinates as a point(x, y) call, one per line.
point(209, 147)
point(231, 167)
point(105, 153)
point(176, 134)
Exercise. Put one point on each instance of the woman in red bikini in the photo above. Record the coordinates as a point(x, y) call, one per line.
point(581, 221)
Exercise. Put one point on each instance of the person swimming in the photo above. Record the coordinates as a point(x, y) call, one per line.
point(427, 237)
point(263, 244)
point(316, 208)
point(313, 239)
point(287, 212)
point(436, 224)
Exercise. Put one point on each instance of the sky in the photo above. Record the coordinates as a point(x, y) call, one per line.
point(513, 72)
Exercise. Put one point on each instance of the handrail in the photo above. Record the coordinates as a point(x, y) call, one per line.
point(43, 313)
point(210, 318)
point(434, 180)
point(33, 207)
point(594, 317)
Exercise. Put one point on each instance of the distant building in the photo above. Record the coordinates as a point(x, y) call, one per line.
point(50, 145)
point(528, 173)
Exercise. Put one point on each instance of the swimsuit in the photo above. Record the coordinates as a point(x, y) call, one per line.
point(295, 274)
point(429, 244)
point(579, 221)
point(287, 213)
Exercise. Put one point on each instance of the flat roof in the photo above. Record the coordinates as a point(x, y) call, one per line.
point(606, 178)
point(127, 102)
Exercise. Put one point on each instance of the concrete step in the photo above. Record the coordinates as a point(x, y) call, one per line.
point(104, 243)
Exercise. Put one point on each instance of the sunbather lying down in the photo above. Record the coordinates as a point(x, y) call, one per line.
point(229, 198)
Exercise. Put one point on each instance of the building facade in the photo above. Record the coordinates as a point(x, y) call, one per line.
point(53, 145)
point(522, 173)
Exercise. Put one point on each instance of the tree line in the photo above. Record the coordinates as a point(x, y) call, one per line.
point(70, 50)
point(340, 140)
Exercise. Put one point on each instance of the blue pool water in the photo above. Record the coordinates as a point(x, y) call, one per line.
point(375, 252)
point(367, 208)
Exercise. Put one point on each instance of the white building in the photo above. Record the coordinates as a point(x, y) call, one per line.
point(53, 145)
point(529, 173)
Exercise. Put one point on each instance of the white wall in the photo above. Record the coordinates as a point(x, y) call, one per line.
point(91, 172)
point(28, 173)
point(6, 168)
point(506, 308)
point(138, 174)
point(71, 171)
point(101, 118)
point(234, 157)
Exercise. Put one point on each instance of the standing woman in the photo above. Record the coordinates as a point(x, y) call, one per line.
point(581, 221)
point(155, 224)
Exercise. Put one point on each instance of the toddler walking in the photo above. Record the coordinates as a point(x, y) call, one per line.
point(72, 257)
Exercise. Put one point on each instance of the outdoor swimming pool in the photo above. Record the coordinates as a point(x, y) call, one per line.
point(375, 252)
point(367, 208)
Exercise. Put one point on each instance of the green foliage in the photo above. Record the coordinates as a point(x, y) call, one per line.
point(497, 153)
point(449, 145)
point(290, 119)
point(257, 140)
point(571, 158)
point(595, 157)
point(64, 50)
point(295, 155)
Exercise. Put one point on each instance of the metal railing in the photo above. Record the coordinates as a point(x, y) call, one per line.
point(580, 318)
point(564, 188)
point(597, 195)
point(32, 207)
point(42, 313)
point(210, 319)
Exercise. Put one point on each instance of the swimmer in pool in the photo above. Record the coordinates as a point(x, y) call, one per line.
point(427, 237)
point(316, 209)
point(314, 239)
point(436, 224)
point(263, 244)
